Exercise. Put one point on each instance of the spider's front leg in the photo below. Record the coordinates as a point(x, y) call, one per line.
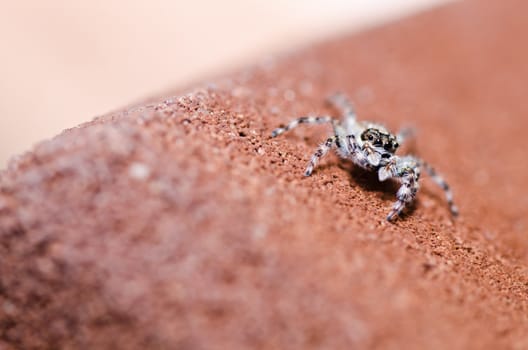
point(321, 151)
point(303, 120)
point(345, 146)
point(439, 180)
point(407, 171)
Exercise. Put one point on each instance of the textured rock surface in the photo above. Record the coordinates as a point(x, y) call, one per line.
point(178, 223)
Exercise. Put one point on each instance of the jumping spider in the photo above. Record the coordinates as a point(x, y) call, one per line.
point(372, 147)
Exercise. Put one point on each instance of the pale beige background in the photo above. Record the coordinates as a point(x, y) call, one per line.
point(64, 62)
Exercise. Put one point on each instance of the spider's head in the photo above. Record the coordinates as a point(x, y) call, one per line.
point(383, 141)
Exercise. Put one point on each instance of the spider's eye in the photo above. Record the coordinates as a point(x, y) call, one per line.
point(370, 138)
point(396, 145)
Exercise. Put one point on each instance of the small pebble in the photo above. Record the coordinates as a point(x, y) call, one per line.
point(139, 171)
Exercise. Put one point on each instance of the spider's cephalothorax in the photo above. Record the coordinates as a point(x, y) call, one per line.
point(372, 147)
point(380, 138)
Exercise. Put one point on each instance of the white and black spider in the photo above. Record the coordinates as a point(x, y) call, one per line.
point(372, 147)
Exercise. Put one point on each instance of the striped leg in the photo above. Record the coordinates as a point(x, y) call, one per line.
point(302, 120)
point(346, 146)
point(409, 178)
point(322, 150)
point(443, 184)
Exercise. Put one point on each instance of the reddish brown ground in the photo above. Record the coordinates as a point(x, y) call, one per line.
point(179, 224)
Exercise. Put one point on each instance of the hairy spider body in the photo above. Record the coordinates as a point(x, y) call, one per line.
point(372, 147)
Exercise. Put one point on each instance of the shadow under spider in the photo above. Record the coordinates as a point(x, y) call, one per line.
point(368, 180)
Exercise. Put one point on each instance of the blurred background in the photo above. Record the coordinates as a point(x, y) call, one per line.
point(64, 62)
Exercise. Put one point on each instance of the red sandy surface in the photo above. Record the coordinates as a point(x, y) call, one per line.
point(179, 223)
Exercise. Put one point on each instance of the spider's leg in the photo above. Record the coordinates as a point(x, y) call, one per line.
point(356, 153)
point(343, 104)
point(321, 151)
point(347, 146)
point(439, 180)
point(407, 171)
point(405, 134)
point(302, 120)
